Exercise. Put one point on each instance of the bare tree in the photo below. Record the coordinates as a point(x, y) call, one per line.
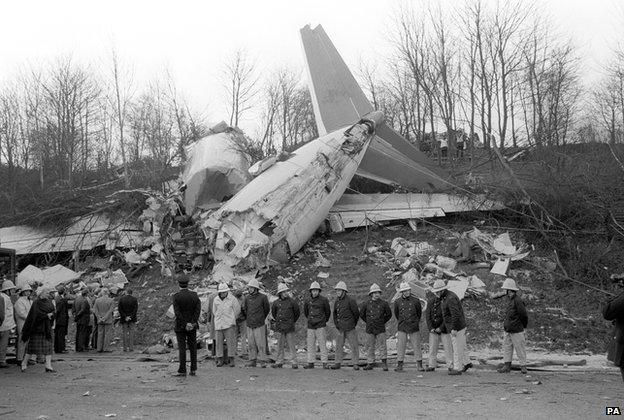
point(240, 80)
point(122, 95)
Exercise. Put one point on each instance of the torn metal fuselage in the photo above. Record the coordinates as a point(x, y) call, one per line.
point(274, 215)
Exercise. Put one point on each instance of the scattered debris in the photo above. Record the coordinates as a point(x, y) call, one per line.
point(321, 261)
point(156, 349)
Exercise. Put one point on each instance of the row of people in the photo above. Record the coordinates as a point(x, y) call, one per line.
point(444, 317)
point(41, 319)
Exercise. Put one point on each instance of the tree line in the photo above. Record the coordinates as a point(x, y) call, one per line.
point(473, 75)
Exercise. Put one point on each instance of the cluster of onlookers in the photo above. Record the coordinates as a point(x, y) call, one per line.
point(444, 316)
point(41, 317)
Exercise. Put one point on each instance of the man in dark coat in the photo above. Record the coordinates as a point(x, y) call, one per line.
point(408, 310)
point(318, 312)
point(62, 321)
point(376, 313)
point(187, 309)
point(346, 316)
point(256, 308)
point(613, 310)
point(128, 307)
point(455, 321)
point(516, 320)
point(437, 329)
point(82, 317)
point(285, 313)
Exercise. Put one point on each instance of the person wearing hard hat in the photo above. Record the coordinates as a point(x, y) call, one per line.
point(318, 312)
point(225, 310)
point(454, 319)
point(187, 309)
point(376, 313)
point(407, 311)
point(346, 316)
point(516, 320)
point(613, 310)
point(437, 329)
point(8, 319)
point(285, 312)
point(21, 309)
point(256, 308)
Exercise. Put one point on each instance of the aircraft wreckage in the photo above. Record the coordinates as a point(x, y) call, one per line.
point(274, 215)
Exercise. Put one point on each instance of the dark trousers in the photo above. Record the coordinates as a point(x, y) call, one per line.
point(82, 337)
point(187, 339)
point(93, 337)
point(60, 332)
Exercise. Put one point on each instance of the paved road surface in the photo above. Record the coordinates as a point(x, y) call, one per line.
point(119, 384)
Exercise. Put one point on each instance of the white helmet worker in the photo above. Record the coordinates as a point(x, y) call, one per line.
point(438, 286)
point(282, 288)
point(341, 286)
point(509, 284)
point(405, 287)
point(315, 285)
point(254, 283)
point(7, 285)
point(374, 288)
point(223, 287)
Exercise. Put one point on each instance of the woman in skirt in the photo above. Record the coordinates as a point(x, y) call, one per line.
point(37, 330)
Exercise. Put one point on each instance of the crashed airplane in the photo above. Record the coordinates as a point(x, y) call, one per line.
point(274, 215)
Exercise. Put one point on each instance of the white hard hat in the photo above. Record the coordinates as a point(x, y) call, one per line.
point(405, 287)
point(223, 287)
point(7, 285)
point(315, 285)
point(25, 288)
point(374, 288)
point(281, 288)
point(438, 286)
point(510, 284)
point(254, 283)
point(341, 286)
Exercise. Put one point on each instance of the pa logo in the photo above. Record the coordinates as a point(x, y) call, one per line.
point(613, 411)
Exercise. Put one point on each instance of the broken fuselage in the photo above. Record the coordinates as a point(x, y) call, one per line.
point(274, 215)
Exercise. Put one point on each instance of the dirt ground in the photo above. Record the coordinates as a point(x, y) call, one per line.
point(119, 384)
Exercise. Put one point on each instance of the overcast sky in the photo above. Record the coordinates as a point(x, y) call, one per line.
point(191, 38)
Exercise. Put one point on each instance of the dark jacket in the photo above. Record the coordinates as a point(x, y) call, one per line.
point(285, 312)
point(128, 306)
point(408, 311)
point(434, 315)
point(187, 308)
point(516, 318)
point(318, 312)
point(452, 312)
point(82, 310)
point(613, 310)
point(1, 310)
point(346, 313)
point(62, 311)
point(376, 313)
point(37, 321)
point(255, 308)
